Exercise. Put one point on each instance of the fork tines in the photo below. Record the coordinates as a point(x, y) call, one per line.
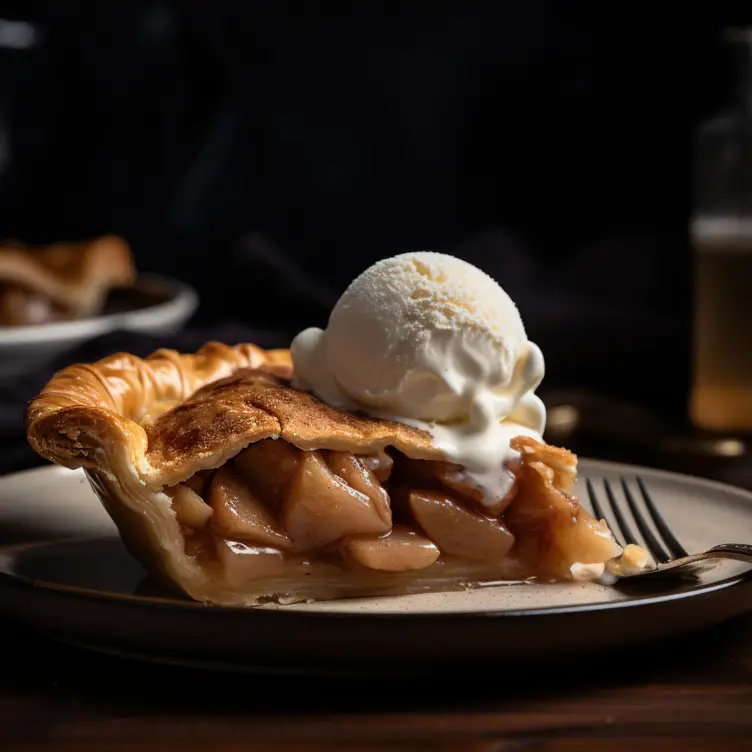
point(659, 541)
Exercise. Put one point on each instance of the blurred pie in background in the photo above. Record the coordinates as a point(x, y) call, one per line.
point(61, 282)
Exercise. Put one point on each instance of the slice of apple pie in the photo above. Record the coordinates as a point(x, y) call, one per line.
point(236, 488)
point(60, 282)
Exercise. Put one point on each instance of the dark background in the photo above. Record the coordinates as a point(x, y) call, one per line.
point(267, 155)
point(268, 152)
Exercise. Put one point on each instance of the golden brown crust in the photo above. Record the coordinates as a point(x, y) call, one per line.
point(223, 417)
point(170, 415)
point(88, 414)
point(72, 276)
point(556, 465)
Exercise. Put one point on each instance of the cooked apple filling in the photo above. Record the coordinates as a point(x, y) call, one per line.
point(275, 511)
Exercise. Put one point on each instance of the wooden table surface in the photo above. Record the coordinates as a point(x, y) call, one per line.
point(692, 694)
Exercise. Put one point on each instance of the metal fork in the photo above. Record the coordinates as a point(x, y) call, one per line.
point(669, 556)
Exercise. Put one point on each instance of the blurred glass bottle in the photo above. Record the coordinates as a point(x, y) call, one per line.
point(721, 232)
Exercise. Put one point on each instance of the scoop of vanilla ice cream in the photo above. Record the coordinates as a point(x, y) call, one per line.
point(428, 339)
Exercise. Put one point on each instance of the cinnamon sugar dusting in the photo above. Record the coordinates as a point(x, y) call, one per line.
point(225, 416)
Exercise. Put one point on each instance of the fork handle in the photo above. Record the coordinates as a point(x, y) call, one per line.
point(738, 551)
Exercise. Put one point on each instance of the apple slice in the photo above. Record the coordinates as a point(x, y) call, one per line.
point(455, 478)
point(241, 562)
point(320, 508)
point(355, 473)
point(190, 509)
point(379, 463)
point(459, 531)
point(269, 466)
point(400, 550)
point(238, 513)
point(196, 483)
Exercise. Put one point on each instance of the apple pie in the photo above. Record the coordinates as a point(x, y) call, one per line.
point(235, 488)
point(60, 282)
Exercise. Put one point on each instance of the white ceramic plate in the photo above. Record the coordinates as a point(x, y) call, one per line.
point(155, 305)
point(78, 584)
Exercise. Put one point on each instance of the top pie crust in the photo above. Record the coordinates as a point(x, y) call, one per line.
point(168, 416)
